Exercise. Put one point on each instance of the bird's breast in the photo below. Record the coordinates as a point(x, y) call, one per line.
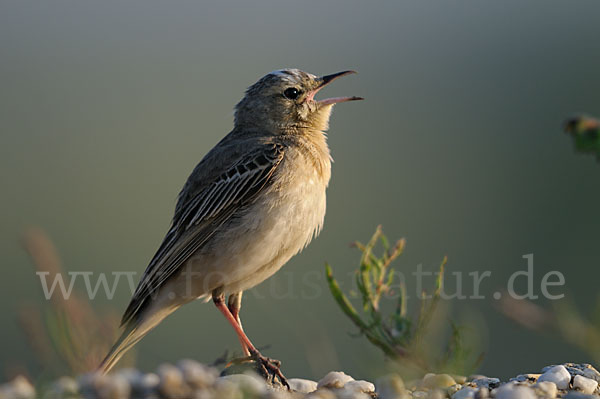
point(284, 218)
point(300, 190)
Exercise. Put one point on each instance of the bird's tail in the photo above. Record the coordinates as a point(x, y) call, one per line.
point(129, 338)
point(135, 330)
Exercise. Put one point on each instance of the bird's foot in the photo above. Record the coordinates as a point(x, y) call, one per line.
point(269, 368)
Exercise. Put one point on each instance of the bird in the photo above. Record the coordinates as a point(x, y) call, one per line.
point(254, 201)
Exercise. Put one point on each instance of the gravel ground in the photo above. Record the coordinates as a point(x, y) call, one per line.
point(190, 379)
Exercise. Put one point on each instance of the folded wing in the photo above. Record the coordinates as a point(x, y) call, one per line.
point(199, 216)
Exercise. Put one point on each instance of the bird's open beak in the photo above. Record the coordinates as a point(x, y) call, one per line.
point(324, 81)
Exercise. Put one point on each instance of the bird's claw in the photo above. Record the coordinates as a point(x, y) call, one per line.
point(269, 368)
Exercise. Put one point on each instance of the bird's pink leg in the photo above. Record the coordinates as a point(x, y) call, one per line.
point(220, 304)
point(269, 366)
point(234, 304)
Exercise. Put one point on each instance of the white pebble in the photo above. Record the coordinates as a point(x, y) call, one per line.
point(302, 385)
point(486, 382)
point(18, 388)
point(63, 387)
point(513, 391)
point(591, 373)
point(130, 374)
point(558, 375)
point(112, 387)
point(436, 394)
point(199, 394)
point(548, 387)
point(473, 377)
point(526, 377)
point(360, 386)
point(431, 381)
point(482, 393)
point(196, 374)
point(346, 393)
point(172, 384)
point(585, 385)
point(321, 394)
point(149, 381)
point(250, 383)
point(225, 388)
point(334, 379)
point(389, 386)
point(465, 393)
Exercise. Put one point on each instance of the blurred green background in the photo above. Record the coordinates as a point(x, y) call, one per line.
point(105, 107)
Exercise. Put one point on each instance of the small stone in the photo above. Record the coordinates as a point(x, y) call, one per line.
point(453, 389)
point(302, 385)
point(112, 387)
point(482, 393)
point(590, 372)
point(172, 384)
point(420, 394)
point(135, 379)
point(460, 379)
point(578, 395)
point(18, 388)
point(130, 374)
point(346, 393)
point(149, 382)
point(198, 394)
point(465, 393)
point(526, 377)
point(405, 394)
point(360, 386)
point(334, 379)
point(225, 388)
point(323, 393)
point(196, 374)
point(86, 383)
point(547, 387)
point(437, 381)
point(476, 377)
point(63, 387)
point(513, 391)
point(272, 393)
point(486, 382)
point(585, 385)
point(390, 386)
point(558, 375)
point(436, 394)
point(249, 383)
point(584, 369)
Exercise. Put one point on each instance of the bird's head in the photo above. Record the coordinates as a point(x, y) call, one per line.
point(283, 102)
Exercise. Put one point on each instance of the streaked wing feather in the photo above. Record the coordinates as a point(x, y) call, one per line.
point(202, 215)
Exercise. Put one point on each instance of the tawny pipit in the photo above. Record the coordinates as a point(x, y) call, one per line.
point(254, 201)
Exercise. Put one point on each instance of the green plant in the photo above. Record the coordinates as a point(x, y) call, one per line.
point(399, 335)
point(585, 131)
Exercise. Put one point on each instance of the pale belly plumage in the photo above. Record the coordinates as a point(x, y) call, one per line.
point(280, 232)
point(259, 241)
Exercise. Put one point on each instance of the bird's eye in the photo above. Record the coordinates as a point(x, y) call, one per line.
point(292, 93)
